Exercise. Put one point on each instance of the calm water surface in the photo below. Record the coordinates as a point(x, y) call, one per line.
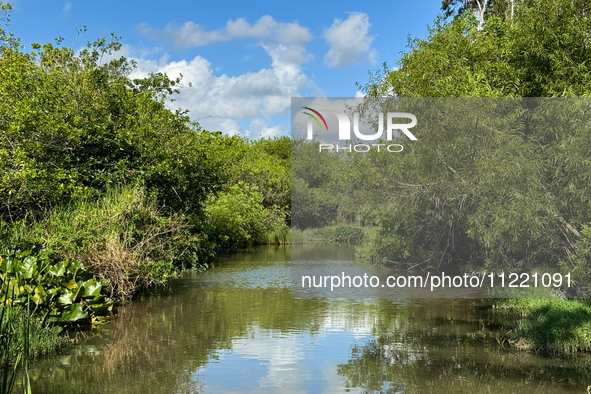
point(237, 329)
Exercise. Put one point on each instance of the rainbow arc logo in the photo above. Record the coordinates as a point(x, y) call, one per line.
point(315, 118)
point(344, 124)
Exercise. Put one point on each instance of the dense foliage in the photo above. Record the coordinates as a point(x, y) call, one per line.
point(113, 192)
point(95, 169)
point(524, 198)
point(491, 183)
point(541, 51)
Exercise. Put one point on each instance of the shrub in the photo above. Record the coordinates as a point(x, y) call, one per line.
point(236, 218)
point(300, 236)
point(348, 234)
point(124, 236)
point(77, 125)
point(278, 234)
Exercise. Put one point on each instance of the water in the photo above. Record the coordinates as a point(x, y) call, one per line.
point(236, 329)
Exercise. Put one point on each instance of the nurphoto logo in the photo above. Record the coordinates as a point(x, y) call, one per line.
point(344, 129)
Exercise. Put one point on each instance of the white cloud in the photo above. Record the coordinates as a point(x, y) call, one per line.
point(131, 52)
point(67, 7)
point(163, 60)
point(224, 102)
point(349, 41)
point(266, 28)
point(188, 35)
point(258, 129)
point(216, 123)
point(220, 102)
point(263, 93)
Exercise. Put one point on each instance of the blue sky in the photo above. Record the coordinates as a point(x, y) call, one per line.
point(245, 59)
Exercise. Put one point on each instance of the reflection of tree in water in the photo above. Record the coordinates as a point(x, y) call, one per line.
point(160, 345)
point(157, 346)
point(440, 355)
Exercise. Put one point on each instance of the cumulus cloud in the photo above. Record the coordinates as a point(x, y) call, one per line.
point(222, 102)
point(216, 123)
point(188, 35)
point(266, 28)
point(241, 104)
point(131, 52)
point(262, 93)
point(257, 127)
point(349, 41)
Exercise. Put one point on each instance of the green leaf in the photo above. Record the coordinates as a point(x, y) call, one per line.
point(24, 254)
point(66, 298)
point(92, 288)
point(74, 314)
point(58, 270)
point(28, 267)
point(75, 266)
point(71, 284)
point(39, 298)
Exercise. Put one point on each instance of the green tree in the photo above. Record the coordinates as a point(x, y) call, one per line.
point(542, 52)
point(503, 184)
point(71, 126)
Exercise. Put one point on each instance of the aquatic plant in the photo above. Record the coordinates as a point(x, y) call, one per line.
point(12, 353)
point(63, 292)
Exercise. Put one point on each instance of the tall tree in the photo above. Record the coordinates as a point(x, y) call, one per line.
point(513, 190)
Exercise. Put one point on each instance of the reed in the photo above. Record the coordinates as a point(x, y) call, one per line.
point(14, 348)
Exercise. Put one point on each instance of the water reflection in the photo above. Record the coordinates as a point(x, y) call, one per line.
point(237, 329)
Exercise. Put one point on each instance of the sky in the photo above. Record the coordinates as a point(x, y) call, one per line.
point(245, 60)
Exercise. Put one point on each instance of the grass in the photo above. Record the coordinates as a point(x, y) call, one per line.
point(556, 326)
point(22, 336)
point(278, 234)
point(42, 338)
point(337, 233)
point(123, 235)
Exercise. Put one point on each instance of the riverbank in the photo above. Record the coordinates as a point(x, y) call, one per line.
point(334, 233)
point(555, 326)
point(110, 200)
point(237, 328)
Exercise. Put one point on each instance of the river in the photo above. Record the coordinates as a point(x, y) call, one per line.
point(236, 329)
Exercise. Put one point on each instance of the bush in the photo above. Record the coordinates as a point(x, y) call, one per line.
point(300, 236)
point(278, 234)
point(77, 125)
point(123, 236)
point(236, 218)
point(348, 234)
